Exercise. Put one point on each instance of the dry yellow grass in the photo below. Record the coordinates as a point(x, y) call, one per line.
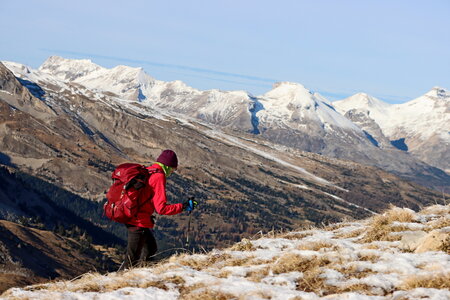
point(328, 256)
point(296, 235)
point(439, 210)
point(243, 245)
point(350, 234)
point(199, 292)
point(356, 287)
point(294, 262)
point(372, 257)
point(380, 225)
point(238, 261)
point(446, 245)
point(94, 282)
point(434, 281)
point(314, 246)
point(177, 280)
point(202, 262)
point(311, 281)
point(442, 222)
point(371, 246)
point(352, 271)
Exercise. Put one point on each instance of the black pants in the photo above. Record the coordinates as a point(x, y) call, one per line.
point(141, 246)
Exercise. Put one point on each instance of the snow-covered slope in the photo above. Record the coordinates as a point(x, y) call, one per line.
point(422, 125)
point(292, 104)
point(421, 117)
point(398, 255)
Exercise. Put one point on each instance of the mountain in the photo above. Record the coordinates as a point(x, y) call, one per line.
point(289, 115)
point(400, 254)
point(420, 127)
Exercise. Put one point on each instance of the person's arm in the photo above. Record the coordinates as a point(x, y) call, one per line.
point(158, 183)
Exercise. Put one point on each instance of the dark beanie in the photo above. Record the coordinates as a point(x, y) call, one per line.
point(168, 158)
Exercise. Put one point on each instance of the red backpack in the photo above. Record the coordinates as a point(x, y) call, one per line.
point(123, 197)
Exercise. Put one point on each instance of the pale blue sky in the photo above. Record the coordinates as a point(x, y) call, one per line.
point(394, 50)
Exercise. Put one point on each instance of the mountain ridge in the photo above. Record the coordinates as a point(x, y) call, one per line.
point(314, 127)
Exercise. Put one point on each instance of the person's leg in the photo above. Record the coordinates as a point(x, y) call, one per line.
point(150, 246)
point(136, 242)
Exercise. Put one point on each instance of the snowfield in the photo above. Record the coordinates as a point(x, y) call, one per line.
point(400, 254)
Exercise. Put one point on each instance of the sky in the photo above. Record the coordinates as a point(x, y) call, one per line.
point(394, 50)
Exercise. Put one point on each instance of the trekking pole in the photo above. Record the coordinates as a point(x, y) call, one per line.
point(191, 198)
point(188, 230)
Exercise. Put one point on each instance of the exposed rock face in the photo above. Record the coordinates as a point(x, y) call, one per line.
point(370, 128)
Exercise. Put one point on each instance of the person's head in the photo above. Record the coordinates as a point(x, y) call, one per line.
point(169, 159)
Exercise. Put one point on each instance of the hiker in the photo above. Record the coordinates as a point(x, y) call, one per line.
point(141, 242)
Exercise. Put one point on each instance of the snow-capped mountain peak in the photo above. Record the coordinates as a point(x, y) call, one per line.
point(293, 103)
point(438, 92)
point(289, 92)
point(124, 81)
point(422, 125)
point(362, 101)
point(68, 69)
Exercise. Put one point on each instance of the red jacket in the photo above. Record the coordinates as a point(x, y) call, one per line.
point(155, 199)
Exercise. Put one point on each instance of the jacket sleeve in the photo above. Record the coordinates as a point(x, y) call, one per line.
point(158, 183)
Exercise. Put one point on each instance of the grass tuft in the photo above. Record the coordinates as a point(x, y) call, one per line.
point(380, 226)
point(197, 292)
point(314, 246)
point(243, 245)
point(291, 262)
point(431, 281)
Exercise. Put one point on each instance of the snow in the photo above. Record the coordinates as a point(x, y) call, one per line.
point(27, 73)
point(422, 117)
point(292, 101)
point(346, 268)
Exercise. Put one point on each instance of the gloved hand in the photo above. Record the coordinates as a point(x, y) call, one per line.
point(190, 204)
